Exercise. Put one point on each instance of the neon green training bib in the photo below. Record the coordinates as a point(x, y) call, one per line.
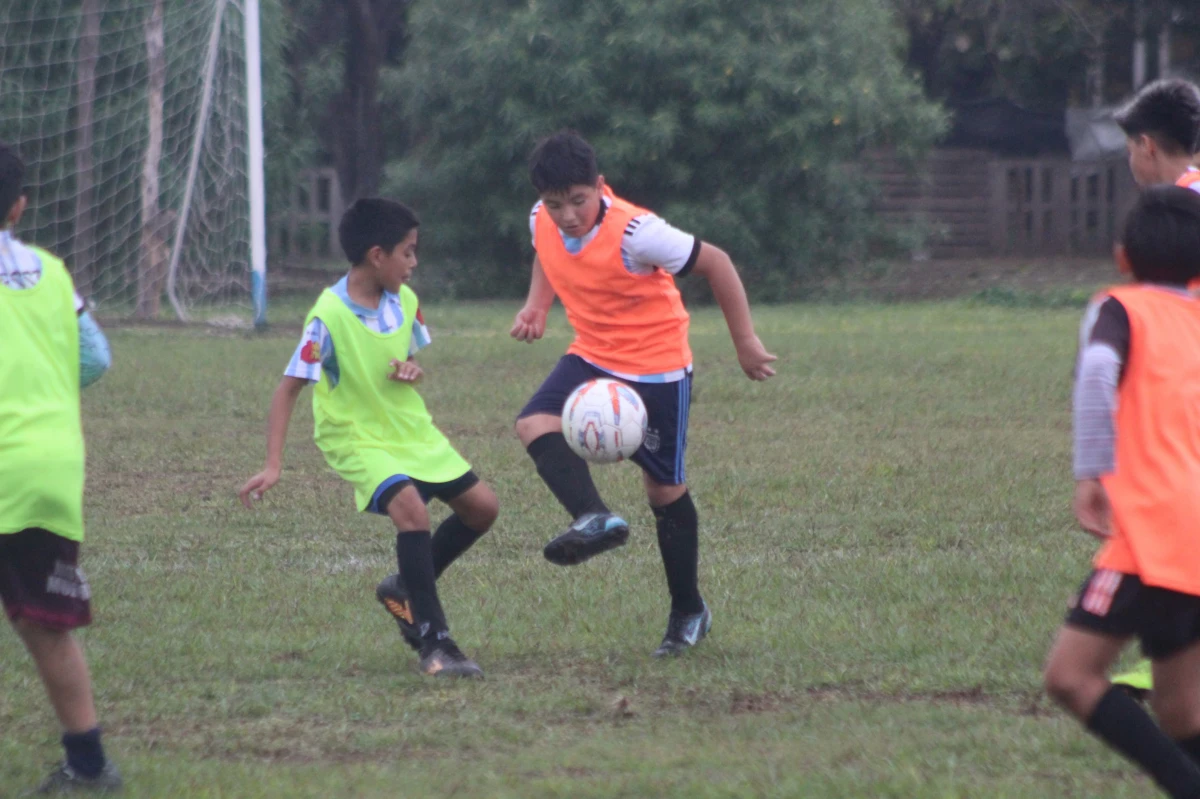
point(41, 434)
point(368, 427)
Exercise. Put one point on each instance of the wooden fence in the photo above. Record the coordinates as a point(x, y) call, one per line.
point(967, 203)
point(971, 204)
point(1059, 207)
point(307, 231)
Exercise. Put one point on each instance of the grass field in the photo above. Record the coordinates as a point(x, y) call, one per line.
point(886, 544)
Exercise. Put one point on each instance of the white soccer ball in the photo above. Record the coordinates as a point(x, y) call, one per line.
point(604, 421)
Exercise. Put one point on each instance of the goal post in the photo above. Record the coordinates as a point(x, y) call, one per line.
point(140, 122)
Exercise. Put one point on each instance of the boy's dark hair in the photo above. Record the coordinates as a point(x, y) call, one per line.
point(562, 160)
point(12, 179)
point(1169, 112)
point(374, 222)
point(1162, 235)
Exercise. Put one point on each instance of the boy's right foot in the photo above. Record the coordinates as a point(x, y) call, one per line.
point(444, 659)
point(394, 598)
point(588, 536)
point(65, 779)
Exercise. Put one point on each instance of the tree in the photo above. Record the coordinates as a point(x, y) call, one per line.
point(340, 57)
point(731, 119)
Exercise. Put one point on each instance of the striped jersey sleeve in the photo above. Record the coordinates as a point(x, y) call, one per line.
point(420, 334)
point(650, 243)
point(314, 352)
point(537, 206)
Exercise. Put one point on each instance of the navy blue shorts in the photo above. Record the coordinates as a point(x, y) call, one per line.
point(667, 406)
point(446, 492)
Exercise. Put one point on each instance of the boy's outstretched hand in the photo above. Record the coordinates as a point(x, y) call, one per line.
point(529, 325)
point(258, 485)
point(1092, 509)
point(405, 371)
point(754, 358)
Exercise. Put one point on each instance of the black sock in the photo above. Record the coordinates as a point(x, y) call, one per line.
point(678, 541)
point(452, 538)
point(1122, 724)
point(85, 755)
point(414, 554)
point(566, 474)
point(1192, 747)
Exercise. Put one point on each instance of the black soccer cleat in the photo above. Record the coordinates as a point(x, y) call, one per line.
point(444, 659)
point(64, 780)
point(684, 630)
point(394, 598)
point(588, 536)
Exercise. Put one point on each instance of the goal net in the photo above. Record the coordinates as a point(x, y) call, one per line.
point(131, 118)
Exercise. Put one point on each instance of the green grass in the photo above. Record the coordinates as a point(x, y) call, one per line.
point(886, 545)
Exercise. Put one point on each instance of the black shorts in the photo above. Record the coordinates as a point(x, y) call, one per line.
point(1165, 622)
point(41, 582)
point(451, 489)
point(667, 408)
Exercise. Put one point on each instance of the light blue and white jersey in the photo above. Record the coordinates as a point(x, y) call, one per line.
point(315, 353)
point(21, 268)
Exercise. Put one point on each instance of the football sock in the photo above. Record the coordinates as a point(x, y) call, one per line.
point(566, 474)
point(453, 537)
point(678, 541)
point(85, 755)
point(414, 554)
point(1122, 724)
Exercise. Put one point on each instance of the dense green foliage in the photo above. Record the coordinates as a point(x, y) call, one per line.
point(732, 120)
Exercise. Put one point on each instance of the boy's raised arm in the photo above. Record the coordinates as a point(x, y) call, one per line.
point(530, 323)
point(282, 404)
point(716, 267)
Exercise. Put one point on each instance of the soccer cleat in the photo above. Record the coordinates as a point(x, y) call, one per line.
point(394, 598)
point(65, 779)
point(444, 659)
point(588, 536)
point(1138, 682)
point(684, 630)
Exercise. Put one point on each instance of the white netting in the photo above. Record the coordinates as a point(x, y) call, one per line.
point(109, 195)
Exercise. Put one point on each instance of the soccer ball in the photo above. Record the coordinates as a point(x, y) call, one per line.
point(604, 421)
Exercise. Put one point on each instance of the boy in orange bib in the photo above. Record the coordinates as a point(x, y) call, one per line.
point(614, 265)
point(1137, 472)
point(1162, 130)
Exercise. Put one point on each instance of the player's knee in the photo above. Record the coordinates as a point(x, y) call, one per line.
point(1062, 684)
point(407, 511)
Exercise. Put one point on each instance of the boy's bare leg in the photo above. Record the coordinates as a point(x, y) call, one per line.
point(475, 510)
point(1076, 678)
point(1077, 669)
point(64, 672)
point(1176, 697)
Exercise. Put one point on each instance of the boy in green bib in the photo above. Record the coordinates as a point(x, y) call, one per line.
point(52, 348)
point(372, 426)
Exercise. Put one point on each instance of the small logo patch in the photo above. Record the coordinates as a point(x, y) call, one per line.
point(311, 352)
point(652, 442)
point(68, 580)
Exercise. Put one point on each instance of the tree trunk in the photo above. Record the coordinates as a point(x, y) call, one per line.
point(152, 265)
point(357, 135)
point(83, 247)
